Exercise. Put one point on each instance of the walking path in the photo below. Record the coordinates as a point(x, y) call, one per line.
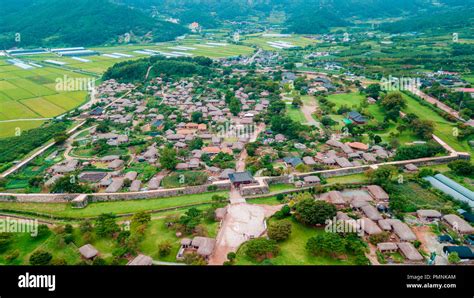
point(438, 103)
point(242, 222)
point(308, 108)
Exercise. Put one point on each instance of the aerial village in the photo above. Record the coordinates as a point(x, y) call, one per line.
point(260, 147)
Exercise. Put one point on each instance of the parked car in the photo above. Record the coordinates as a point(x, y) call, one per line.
point(445, 239)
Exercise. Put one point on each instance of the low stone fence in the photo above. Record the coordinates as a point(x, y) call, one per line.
point(102, 197)
point(262, 188)
point(255, 189)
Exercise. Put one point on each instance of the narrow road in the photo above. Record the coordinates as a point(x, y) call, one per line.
point(38, 152)
point(25, 119)
point(69, 147)
point(308, 108)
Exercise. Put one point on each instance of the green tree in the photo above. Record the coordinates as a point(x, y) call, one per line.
point(326, 243)
point(311, 212)
point(168, 158)
point(279, 230)
point(106, 225)
point(382, 175)
point(164, 248)
point(259, 249)
point(462, 167)
point(40, 258)
point(196, 117)
point(235, 106)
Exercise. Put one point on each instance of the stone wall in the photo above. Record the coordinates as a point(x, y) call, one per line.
point(254, 190)
point(101, 197)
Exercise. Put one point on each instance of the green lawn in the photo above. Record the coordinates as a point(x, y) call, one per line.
point(293, 250)
point(348, 99)
point(443, 128)
point(117, 207)
point(25, 244)
point(266, 200)
point(157, 232)
point(295, 114)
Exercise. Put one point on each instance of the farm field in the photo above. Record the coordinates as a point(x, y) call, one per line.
point(118, 207)
point(262, 41)
point(32, 94)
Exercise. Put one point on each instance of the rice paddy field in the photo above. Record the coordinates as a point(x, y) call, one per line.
point(267, 42)
point(32, 94)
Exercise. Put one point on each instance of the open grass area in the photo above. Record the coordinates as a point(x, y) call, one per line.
point(355, 178)
point(443, 128)
point(295, 114)
point(272, 200)
point(156, 233)
point(293, 251)
point(25, 244)
point(117, 207)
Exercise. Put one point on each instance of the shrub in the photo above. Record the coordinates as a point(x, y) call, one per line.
point(231, 256)
point(285, 211)
point(462, 167)
point(378, 238)
point(453, 258)
point(260, 248)
point(99, 262)
point(40, 257)
point(194, 259)
point(164, 248)
point(279, 230)
point(12, 255)
point(59, 262)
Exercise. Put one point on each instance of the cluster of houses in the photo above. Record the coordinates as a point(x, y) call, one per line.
point(369, 205)
point(120, 104)
point(341, 155)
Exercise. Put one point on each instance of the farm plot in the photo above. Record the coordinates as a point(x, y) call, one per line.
point(32, 94)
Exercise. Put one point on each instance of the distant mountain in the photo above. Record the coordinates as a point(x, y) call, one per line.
point(78, 23)
point(304, 16)
point(453, 19)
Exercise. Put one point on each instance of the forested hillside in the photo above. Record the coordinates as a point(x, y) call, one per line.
point(135, 71)
point(79, 23)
